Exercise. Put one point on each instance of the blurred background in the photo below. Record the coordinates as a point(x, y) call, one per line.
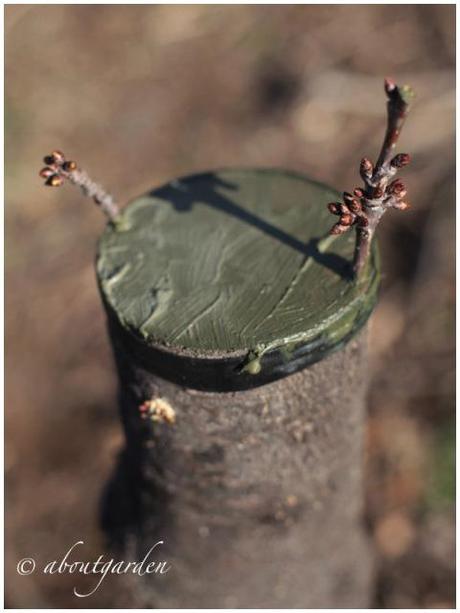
point(142, 94)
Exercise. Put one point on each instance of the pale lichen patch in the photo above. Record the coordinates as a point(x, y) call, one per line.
point(158, 410)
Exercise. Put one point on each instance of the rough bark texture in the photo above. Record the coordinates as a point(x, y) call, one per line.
point(256, 494)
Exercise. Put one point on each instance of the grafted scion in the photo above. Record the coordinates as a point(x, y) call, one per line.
point(58, 169)
point(365, 207)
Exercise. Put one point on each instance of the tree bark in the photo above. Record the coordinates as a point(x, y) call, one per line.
point(256, 494)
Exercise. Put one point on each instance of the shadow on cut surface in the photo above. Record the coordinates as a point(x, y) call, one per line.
point(182, 194)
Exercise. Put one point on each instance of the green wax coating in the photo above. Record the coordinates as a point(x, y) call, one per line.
point(233, 261)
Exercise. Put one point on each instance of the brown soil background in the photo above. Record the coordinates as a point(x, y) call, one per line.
point(142, 94)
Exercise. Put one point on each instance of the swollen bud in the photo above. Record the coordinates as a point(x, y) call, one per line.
point(346, 219)
point(400, 160)
point(58, 157)
point(54, 181)
point(335, 208)
point(389, 85)
point(69, 166)
point(355, 206)
point(402, 206)
point(365, 168)
point(46, 173)
point(397, 188)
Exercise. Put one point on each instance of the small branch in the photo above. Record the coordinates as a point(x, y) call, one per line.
point(366, 206)
point(59, 169)
point(399, 99)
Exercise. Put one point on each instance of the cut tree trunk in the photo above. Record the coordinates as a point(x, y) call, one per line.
point(224, 301)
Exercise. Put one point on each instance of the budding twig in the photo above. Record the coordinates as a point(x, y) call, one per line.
point(365, 207)
point(58, 169)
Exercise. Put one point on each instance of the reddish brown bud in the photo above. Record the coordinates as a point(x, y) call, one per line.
point(45, 173)
point(366, 169)
point(58, 157)
point(358, 192)
point(400, 160)
point(397, 188)
point(389, 85)
point(402, 206)
point(378, 192)
point(336, 208)
point(347, 219)
point(69, 166)
point(54, 181)
point(355, 206)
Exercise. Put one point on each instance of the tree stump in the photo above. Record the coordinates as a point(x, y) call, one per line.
point(226, 299)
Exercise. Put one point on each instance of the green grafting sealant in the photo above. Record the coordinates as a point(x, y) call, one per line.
point(228, 279)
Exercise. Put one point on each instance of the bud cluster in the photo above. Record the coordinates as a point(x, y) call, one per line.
point(364, 208)
point(350, 212)
point(57, 169)
point(354, 208)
